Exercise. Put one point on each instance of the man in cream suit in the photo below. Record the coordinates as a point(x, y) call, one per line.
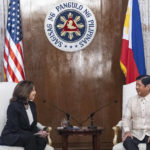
point(138, 111)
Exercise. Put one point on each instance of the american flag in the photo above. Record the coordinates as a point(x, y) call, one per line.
point(13, 52)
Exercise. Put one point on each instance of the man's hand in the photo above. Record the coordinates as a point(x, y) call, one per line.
point(126, 135)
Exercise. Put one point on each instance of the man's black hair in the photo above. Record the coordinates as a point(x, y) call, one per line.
point(145, 79)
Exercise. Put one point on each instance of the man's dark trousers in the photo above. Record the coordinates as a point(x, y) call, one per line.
point(132, 144)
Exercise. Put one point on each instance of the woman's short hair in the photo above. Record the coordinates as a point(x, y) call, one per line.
point(145, 79)
point(22, 91)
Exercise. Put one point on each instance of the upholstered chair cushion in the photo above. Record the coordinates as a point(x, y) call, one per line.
point(6, 90)
point(120, 146)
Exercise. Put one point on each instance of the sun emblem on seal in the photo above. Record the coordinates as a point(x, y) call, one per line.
point(70, 26)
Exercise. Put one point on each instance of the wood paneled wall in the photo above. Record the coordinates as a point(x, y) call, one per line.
point(78, 82)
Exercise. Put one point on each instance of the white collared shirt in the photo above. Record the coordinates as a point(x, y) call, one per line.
point(29, 114)
point(137, 110)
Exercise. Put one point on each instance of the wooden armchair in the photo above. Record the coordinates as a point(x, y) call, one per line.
point(6, 90)
point(128, 91)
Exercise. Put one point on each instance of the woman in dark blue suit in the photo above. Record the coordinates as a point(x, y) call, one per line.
point(20, 128)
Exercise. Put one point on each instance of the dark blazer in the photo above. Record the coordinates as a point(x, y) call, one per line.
point(18, 123)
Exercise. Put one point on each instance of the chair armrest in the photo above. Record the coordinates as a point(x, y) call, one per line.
point(48, 129)
point(116, 130)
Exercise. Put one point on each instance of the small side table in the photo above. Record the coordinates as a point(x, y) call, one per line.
point(94, 132)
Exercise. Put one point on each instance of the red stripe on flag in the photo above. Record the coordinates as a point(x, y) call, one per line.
point(6, 57)
point(14, 58)
point(20, 50)
point(128, 61)
point(11, 73)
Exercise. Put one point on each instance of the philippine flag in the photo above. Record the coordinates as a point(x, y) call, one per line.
point(132, 58)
